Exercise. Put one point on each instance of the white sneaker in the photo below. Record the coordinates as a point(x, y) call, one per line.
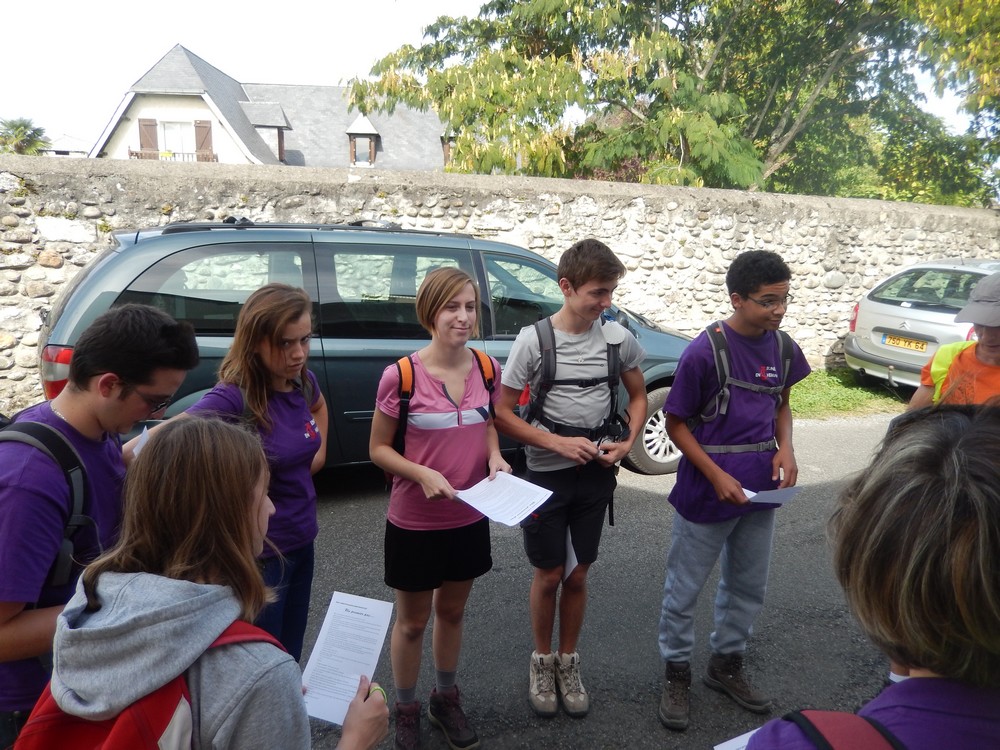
point(542, 684)
point(572, 693)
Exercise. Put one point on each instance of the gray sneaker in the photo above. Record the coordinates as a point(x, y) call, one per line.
point(675, 704)
point(444, 711)
point(572, 693)
point(542, 684)
point(407, 726)
point(725, 674)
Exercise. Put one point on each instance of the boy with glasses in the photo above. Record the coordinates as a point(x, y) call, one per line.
point(747, 444)
point(125, 368)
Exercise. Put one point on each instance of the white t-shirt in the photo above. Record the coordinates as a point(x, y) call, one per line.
point(578, 356)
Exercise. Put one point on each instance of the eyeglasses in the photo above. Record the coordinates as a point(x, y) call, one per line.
point(769, 304)
point(154, 404)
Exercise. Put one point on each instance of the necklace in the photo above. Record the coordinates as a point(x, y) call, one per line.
point(574, 348)
point(58, 413)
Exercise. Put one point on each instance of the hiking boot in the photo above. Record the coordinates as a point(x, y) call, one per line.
point(444, 711)
point(675, 705)
point(572, 693)
point(725, 674)
point(407, 726)
point(542, 684)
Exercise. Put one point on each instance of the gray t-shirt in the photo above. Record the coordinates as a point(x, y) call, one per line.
point(580, 356)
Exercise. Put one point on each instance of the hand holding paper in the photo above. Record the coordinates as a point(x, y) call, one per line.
point(348, 646)
point(505, 498)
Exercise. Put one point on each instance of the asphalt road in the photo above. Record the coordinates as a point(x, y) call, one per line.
point(806, 651)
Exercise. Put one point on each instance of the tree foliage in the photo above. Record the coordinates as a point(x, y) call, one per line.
point(21, 136)
point(962, 48)
point(504, 82)
point(725, 93)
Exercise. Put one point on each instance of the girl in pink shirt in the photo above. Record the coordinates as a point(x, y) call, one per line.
point(435, 545)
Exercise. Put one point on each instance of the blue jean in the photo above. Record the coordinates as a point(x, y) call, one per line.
point(745, 547)
point(291, 578)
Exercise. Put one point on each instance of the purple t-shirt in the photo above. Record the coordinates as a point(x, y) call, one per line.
point(290, 446)
point(34, 506)
point(448, 437)
point(750, 419)
point(924, 713)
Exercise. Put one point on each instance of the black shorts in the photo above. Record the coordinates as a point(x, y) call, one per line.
point(423, 560)
point(580, 496)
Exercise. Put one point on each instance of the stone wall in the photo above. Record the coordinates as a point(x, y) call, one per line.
point(56, 214)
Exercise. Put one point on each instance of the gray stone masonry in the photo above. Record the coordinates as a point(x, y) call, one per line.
point(56, 215)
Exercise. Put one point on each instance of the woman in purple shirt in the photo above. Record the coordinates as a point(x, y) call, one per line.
point(917, 551)
point(263, 381)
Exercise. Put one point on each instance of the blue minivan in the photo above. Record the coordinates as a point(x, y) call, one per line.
point(363, 281)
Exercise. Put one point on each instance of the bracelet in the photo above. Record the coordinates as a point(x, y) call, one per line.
point(379, 689)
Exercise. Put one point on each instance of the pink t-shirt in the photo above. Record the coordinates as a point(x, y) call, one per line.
point(446, 437)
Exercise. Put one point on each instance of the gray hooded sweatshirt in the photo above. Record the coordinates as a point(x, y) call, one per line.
point(151, 629)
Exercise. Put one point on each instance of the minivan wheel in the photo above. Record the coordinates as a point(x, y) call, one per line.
point(653, 452)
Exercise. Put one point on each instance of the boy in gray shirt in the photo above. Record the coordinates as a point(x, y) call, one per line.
point(572, 447)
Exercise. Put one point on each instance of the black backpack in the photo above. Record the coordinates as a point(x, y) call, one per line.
point(614, 425)
point(718, 405)
point(55, 445)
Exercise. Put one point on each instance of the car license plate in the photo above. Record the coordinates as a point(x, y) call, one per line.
point(900, 342)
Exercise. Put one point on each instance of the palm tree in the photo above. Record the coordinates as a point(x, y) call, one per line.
point(21, 136)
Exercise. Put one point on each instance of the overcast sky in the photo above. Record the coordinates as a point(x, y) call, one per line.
point(67, 66)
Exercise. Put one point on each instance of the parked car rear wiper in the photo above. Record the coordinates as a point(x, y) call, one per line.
point(924, 305)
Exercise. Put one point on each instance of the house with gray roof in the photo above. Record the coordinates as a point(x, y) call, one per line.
point(184, 109)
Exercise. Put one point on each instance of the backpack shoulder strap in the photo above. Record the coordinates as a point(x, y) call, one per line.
point(547, 351)
point(488, 373)
point(486, 369)
point(404, 369)
point(718, 404)
point(54, 444)
point(837, 730)
point(240, 631)
point(785, 351)
point(614, 352)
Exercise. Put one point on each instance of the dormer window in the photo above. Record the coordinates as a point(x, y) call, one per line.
point(364, 140)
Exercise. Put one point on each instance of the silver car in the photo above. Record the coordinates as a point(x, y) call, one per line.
point(898, 325)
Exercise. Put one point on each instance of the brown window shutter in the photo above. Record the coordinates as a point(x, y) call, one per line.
point(147, 135)
point(202, 135)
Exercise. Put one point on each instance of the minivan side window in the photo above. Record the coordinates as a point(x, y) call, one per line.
point(208, 285)
point(370, 291)
point(522, 292)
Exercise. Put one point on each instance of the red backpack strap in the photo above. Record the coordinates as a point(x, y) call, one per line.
point(837, 730)
point(240, 631)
